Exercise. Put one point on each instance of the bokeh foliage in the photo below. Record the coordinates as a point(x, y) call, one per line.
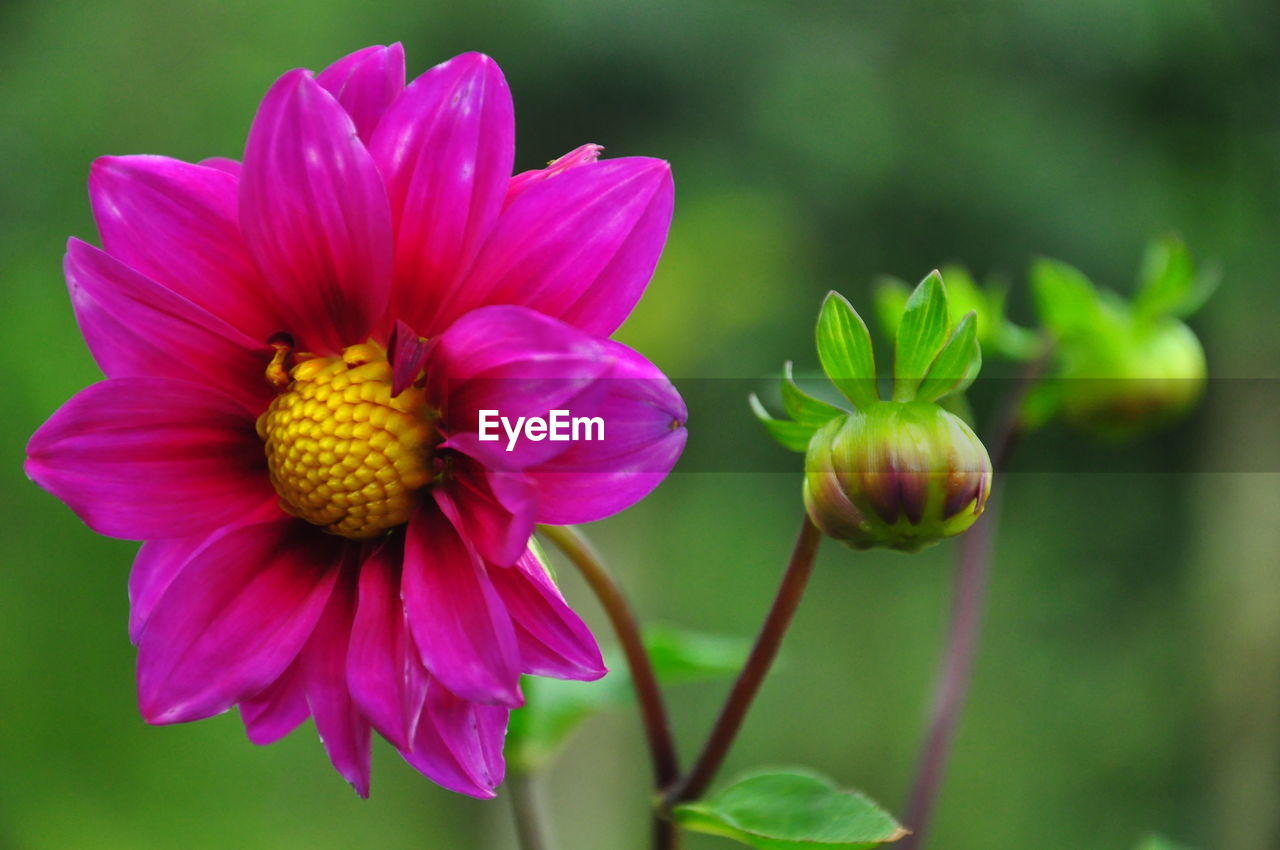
point(1129, 680)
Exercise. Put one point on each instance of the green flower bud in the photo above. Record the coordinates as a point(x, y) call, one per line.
point(1120, 385)
point(903, 475)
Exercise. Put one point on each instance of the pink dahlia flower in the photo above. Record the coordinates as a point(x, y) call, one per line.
point(297, 350)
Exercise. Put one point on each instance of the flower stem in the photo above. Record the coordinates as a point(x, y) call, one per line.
point(653, 712)
point(973, 573)
point(695, 782)
point(526, 812)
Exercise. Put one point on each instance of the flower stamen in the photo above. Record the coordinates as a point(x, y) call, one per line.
point(343, 452)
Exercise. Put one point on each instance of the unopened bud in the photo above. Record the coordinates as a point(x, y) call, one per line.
point(899, 475)
point(1117, 387)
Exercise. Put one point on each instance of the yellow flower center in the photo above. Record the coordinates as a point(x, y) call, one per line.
point(344, 454)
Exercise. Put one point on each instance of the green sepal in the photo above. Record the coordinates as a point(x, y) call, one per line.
point(1168, 284)
point(1066, 300)
point(844, 349)
point(803, 407)
point(957, 365)
point(790, 435)
point(921, 335)
point(790, 810)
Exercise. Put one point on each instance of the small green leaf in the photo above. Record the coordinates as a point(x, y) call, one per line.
point(1159, 842)
point(803, 407)
point(790, 435)
point(956, 366)
point(920, 336)
point(782, 810)
point(1066, 300)
point(554, 708)
point(844, 349)
point(680, 656)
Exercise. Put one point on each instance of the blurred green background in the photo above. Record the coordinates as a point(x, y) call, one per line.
point(1131, 672)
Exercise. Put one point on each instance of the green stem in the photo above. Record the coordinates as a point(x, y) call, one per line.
point(526, 812)
point(790, 591)
point(973, 574)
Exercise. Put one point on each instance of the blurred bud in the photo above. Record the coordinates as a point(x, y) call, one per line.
point(1119, 386)
point(902, 475)
point(1122, 367)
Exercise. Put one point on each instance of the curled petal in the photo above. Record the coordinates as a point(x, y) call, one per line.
point(233, 620)
point(461, 628)
point(580, 247)
point(581, 155)
point(445, 148)
point(278, 710)
point(643, 424)
point(365, 83)
point(315, 215)
point(137, 328)
point(514, 363)
point(142, 458)
point(178, 224)
point(343, 730)
point(553, 640)
point(384, 673)
point(458, 744)
point(492, 509)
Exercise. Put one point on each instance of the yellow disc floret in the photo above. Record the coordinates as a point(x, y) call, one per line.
point(342, 452)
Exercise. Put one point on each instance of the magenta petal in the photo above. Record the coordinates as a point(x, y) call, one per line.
point(644, 435)
point(275, 712)
point(492, 509)
point(406, 352)
point(315, 215)
point(520, 364)
point(343, 729)
point(384, 673)
point(222, 163)
point(473, 733)
point(137, 328)
point(233, 619)
point(463, 632)
point(580, 247)
point(178, 224)
point(154, 569)
point(365, 83)
point(458, 745)
point(142, 458)
point(581, 155)
point(553, 640)
point(445, 148)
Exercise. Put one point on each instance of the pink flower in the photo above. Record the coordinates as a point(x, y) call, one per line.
point(297, 350)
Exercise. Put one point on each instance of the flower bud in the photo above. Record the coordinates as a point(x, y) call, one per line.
point(895, 474)
point(1122, 385)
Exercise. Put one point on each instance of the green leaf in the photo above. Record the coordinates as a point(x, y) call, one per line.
point(956, 366)
point(1159, 842)
point(1065, 299)
point(554, 708)
point(803, 407)
point(680, 656)
point(920, 336)
point(844, 349)
point(780, 810)
point(790, 435)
